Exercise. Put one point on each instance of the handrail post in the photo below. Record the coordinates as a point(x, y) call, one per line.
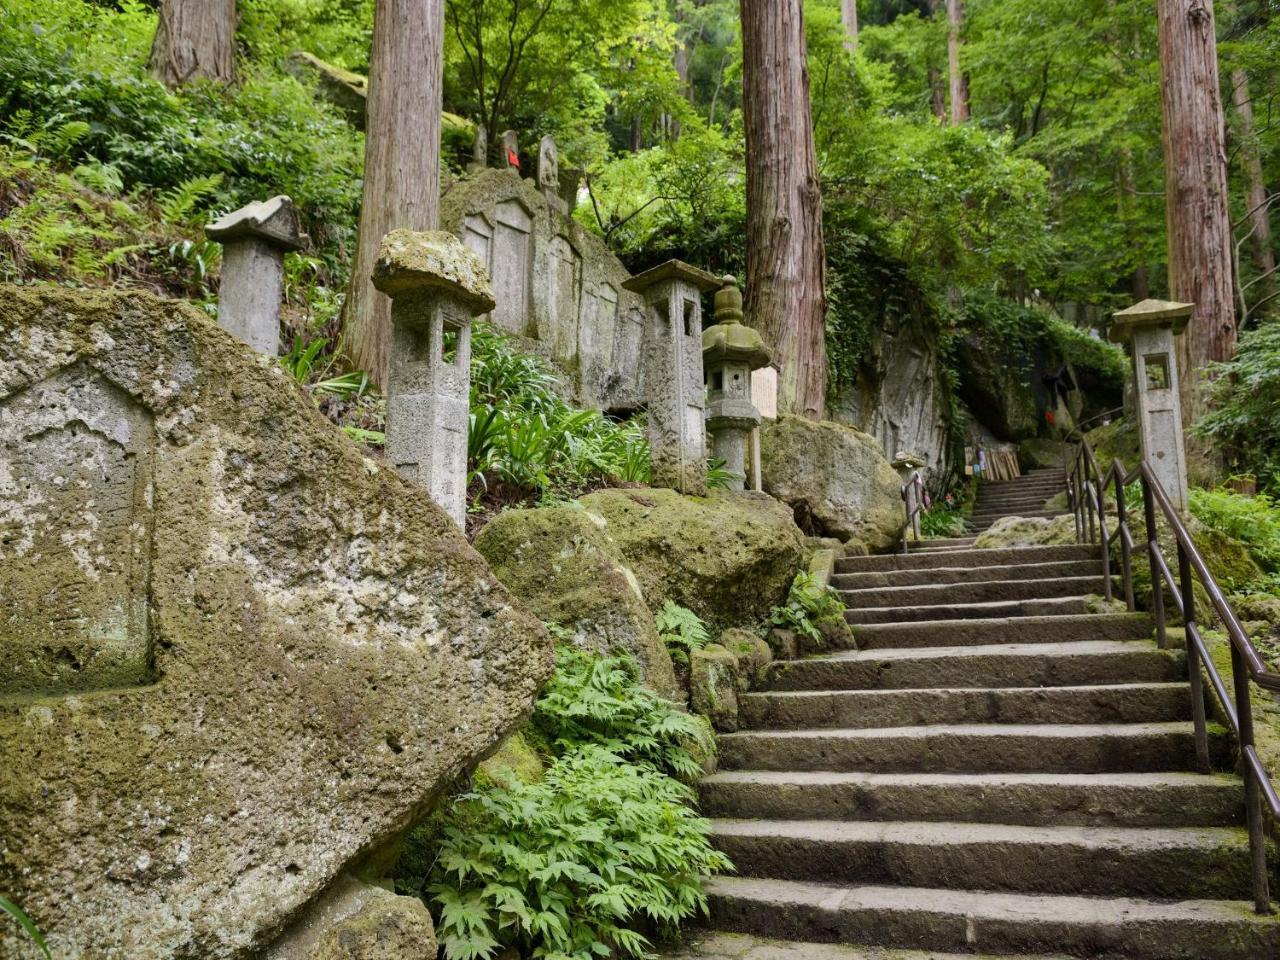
point(1126, 561)
point(1188, 587)
point(1252, 789)
point(1100, 486)
point(1157, 575)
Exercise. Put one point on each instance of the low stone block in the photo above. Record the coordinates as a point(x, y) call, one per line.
point(713, 682)
point(359, 921)
point(752, 653)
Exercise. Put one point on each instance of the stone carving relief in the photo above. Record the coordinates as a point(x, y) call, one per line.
point(510, 266)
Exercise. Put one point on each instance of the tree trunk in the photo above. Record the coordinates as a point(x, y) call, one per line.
point(401, 161)
point(1139, 280)
point(1255, 197)
point(195, 40)
point(1196, 211)
point(849, 16)
point(959, 80)
point(786, 259)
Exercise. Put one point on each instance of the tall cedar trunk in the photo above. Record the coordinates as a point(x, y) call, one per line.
point(1139, 280)
point(849, 16)
point(786, 265)
point(959, 80)
point(401, 161)
point(1195, 163)
point(194, 40)
point(1255, 198)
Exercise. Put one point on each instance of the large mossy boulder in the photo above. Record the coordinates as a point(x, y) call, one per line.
point(563, 563)
point(241, 657)
point(1028, 532)
point(835, 478)
point(728, 557)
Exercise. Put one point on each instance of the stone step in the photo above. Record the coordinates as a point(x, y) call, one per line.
point(1033, 502)
point(989, 922)
point(1103, 703)
point(1076, 663)
point(968, 574)
point(1171, 799)
point(936, 542)
point(980, 591)
point(1170, 863)
point(1021, 491)
point(737, 946)
point(1057, 606)
point(975, 748)
point(980, 632)
point(979, 519)
point(967, 557)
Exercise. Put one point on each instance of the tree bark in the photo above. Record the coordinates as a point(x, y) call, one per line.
point(1255, 197)
point(959, 80)
point(1196, 211)
point(401, 161)
point(849, 16)
point(194, 40)
point(786, 258)
point(1139, 280)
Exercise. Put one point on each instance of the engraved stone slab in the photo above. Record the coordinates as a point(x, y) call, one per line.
point(75, 536)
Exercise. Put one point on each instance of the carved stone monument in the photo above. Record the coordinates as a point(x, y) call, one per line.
point(240, 656)
point(730, 352)
point(479, 150)
point(254, 240)
point(673, 373)
point(510, 151)
point(1150, 327)
point(437, 285)
point(549, 175)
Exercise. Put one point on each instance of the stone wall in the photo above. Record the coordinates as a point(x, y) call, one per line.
point(240, 657)
point(558, 288)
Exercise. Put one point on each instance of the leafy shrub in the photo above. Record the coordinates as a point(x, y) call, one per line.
point(26, 923)
point(561, 867)
point(1246, 398)
point(808, 602)
point(601, 702)
point(681, 630)
point(941, 520)
point(1254, 521)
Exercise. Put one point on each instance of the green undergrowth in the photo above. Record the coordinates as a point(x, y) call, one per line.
point(681, 631)
point(810, 609)
point(597, 856)
point(1245, 420)
point(1251, 520)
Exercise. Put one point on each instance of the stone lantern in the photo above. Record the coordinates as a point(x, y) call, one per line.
point(730, 352)
point(673, 373)
point(1150, 328)
point(437, 285)
point(254, 240)
point(907, 464)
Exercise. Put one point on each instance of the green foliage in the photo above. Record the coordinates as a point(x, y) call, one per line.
point(600, 702)
point(1245, 418)
point(808, 602)
point(562, 868)
point(1254, 521)
point(681, 630)
point(29, 927)
point(941, 521)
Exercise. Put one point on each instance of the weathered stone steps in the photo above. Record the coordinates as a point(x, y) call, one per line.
point(984, 631)
point(1035, 607)
point(967, 574)
point(1169, 863)
point(1160, 799)
point(737, 946)
point(826, 709)
point(980, 591)
point(975, 748)
point(1002, 556)
point(972, 921)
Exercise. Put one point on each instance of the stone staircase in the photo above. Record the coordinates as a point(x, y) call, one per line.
point(994, 770)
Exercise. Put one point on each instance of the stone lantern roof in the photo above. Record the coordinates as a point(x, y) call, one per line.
point(1149, 313)
point(432, 261)
point(729, 340)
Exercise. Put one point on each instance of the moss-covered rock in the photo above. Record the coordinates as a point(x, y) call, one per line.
point(713, 686)
point(564, 564)
point(835, 478)
point(1118, 440)
point(729, 557)
point(1041, 452)
point(359, 921)
point(753, 655)
point(514, 762)
point(836, 633)
point(324, 652)
point(1228, 560)
point(1027, 532)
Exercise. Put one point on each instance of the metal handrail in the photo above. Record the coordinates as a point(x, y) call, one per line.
point(914, 497)
point(1087, 487)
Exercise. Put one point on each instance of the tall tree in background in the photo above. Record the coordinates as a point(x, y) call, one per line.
point(849, 17)
point(959, 81)
point(195, 40)
point(786, 259)
point(401, 161)
point(1195, 163)
point(1255, 193)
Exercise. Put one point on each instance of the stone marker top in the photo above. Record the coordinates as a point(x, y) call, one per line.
point(411, 262)
point(908, 461)
point(1149, 313)
point(673, 270)
point(274, 221)
point(729, 339)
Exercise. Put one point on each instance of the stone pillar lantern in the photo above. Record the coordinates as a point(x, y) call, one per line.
point(254, 240)
point(730, 352)
point(673, 373)
point(436, 285)
point(907, 464)
point(1150, 328)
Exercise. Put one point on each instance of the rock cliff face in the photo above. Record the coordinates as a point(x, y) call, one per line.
point(241, 657)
